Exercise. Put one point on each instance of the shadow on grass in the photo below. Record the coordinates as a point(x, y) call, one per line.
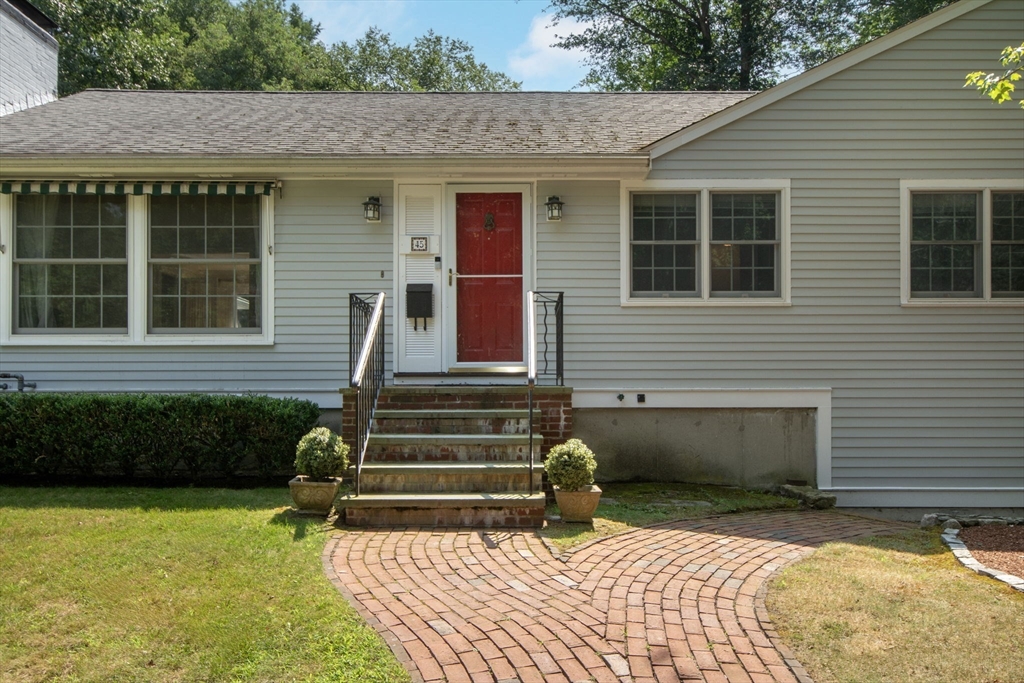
point(302, 524)
point(127, 498)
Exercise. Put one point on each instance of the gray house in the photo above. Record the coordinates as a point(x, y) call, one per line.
point(28, 57)
point(823, 281)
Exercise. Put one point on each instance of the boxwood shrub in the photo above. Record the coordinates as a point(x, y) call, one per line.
point(192, 436)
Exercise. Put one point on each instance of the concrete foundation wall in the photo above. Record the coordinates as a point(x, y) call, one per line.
point(713, 446)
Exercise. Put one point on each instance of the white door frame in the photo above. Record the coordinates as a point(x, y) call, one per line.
point(449, 342)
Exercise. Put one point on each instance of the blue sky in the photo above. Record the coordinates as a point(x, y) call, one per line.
point(508, 36)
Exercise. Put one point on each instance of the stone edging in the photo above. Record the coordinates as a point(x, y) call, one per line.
point(960, 551)
point(390, 638)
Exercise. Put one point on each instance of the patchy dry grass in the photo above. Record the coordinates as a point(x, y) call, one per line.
point(173, 585)
point(626, 506)
point(898, 608)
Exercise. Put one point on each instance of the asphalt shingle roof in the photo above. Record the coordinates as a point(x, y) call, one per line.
point(352, 124)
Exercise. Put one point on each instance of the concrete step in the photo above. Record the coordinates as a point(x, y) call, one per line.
point(443, 509)
point(452, 447)
point(450, 477)
point(492, 421)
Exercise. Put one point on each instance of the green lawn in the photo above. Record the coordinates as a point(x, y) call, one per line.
point(126, 584)
point(898, 608)
point(626, 506)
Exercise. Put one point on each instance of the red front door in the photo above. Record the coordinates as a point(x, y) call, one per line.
point(489, 260)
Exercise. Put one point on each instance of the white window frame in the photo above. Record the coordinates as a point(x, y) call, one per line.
point(138, 291)
point(704, 188)
point(985, 188)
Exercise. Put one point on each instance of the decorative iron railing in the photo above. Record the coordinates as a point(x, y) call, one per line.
point(551, 303)
point(365, 365)
point(549, 335)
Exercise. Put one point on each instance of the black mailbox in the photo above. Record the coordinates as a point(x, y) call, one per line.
point(419, 303)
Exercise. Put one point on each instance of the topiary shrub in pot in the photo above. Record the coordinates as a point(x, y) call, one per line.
point(320, 459)
point(570, 467)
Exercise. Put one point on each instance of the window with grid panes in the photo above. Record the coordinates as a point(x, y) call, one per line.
point(1008, 244)
point(204, 263)
point(70, 264)
point(745, 244)
point(945, 244)
point(664, 245)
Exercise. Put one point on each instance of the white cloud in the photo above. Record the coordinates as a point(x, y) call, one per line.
point(542, 67)
point(347, 20)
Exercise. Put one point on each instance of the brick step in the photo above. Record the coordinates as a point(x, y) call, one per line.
point(493, 421)
point(445, 509)
point(433, 452)
point(453, 439)
point(451, 477)
point(453, 398)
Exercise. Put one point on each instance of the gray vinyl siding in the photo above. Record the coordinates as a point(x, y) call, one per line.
point(323, 249)
point(925, 397)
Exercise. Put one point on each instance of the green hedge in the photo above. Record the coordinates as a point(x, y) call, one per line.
point(193, 436)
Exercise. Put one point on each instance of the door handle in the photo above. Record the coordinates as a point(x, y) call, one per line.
point(450, 274)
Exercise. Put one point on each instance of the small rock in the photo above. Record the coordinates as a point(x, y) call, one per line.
point(995, 521)
point(942, 518)
point(929, 521)
point(970, 522)
point(952, 524)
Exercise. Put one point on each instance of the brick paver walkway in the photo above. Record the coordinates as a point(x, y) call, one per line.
point(680, 601)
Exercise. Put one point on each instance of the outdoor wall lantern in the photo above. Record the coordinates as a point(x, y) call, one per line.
point(554, 205)
point(371, 209)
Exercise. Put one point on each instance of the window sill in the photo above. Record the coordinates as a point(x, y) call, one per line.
point(125, 341)
point(963, 303)
point(705, 303)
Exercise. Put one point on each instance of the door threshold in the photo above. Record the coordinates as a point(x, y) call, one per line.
point(466, 376)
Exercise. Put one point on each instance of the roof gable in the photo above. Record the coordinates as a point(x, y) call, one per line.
point(810, 77)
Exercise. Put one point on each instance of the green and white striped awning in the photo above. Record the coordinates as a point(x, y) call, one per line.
point(153, 187)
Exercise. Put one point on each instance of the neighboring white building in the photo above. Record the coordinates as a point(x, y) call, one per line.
point(28, 57)
point(830, 271)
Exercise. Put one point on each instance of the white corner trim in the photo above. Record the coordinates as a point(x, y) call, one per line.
point(800, 397)
point(704, 187)
point(985, 187)
point(812, 76)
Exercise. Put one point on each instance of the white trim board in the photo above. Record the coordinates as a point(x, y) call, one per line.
point(809, 78)
point(933, 498)
point(818, 398)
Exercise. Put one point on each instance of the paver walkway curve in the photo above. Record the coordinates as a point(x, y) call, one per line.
point(678, 601)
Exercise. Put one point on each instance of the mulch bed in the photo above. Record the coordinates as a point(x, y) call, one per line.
point(997, 547)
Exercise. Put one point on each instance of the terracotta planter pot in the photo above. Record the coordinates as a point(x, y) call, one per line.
point(578, 506)
point(314, 497)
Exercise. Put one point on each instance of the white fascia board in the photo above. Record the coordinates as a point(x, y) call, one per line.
point(563, 167)
point(812, 76)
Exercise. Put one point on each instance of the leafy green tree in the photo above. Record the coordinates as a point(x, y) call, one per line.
point(115, 44)
point(432, 62)
point(248, 45)
point(257, 45)
point(1000, 87)
point(721, 44)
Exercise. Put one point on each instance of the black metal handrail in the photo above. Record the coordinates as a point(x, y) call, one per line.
point(554, 301)
point(552, 359)
point(366, 370)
